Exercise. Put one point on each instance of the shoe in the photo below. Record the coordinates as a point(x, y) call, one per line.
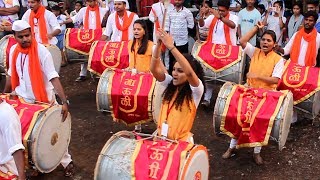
point(205, 103)
point(81, 78)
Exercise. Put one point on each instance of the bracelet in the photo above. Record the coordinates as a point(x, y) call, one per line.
point(156, 58)
point(172, 48)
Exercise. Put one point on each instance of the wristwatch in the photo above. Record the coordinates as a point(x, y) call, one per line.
point(65, 102)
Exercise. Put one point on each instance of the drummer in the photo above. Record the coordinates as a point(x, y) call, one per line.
point(183, 91)
point(265, 70)
point(222, 30)
point(11, 148)
point(35, 80)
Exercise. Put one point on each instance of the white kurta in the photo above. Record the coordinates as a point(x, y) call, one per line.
point(79, 18)
point(10, 137)
point(22, 65)
point(114, 32)
point(52, 24)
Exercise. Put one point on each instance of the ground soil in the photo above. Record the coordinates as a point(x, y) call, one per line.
point(91, 129)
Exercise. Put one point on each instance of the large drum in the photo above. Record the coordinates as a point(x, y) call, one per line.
point(103, 95)
point(282, 122)
point(233, 73)
point(47, 137)
point(115, 159)
point(311, 106)
point(8, 41)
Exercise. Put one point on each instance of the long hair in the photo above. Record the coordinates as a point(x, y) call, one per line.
point(185, 91)
point(144, 42)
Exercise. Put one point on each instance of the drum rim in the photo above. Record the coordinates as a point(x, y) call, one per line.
point(103, 75)
point(36, 133)
point(2, 40)
point(289, 101)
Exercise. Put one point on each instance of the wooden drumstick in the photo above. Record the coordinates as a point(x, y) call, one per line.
point(166, 4)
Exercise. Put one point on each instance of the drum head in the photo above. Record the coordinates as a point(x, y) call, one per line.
point(3, 46)
point(316, 104)
point(56, 56)
point(102, 91)
point(286, 122)
point(50, 139)
point(114, 161)
point(197, 164)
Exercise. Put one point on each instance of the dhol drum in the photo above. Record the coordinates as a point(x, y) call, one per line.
point(103, 99)
point(8, 41)
point(311, 106)
point(233, 73)
point(282, 122)
point(45, 136)
point(115, 159)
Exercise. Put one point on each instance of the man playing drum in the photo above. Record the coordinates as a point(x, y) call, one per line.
point(222, 30)
point(11, 148)
point(32, 75)
point(265, 70)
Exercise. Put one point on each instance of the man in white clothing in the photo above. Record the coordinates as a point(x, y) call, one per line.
point(120, 23)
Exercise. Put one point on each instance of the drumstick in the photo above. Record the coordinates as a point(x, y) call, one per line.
point(166, 4)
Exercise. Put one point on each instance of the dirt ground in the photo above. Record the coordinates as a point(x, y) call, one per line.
point(91, 129)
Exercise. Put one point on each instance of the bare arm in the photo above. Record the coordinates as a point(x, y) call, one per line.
point(155, 66)
point(18, 157)
point(58, 88)
point(239, 31)
point(104, 38)
point(7, 88)
point(268, 80)
point(9, 11)
point(226, 21)
point(244, 39)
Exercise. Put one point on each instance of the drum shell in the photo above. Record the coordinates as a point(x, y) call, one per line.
point(56, 56)
point(310, 105)
point(49, 136)
point(102, 98)
point(123, 144)
point(282, 122)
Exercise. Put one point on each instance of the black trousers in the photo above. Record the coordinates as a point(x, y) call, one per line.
point(182, 49)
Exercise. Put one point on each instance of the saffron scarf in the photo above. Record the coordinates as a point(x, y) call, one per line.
point(125, 26)
point(35, 72)
point(310, 59)
point(86, 17)
point(225, 28)
point(41, 24)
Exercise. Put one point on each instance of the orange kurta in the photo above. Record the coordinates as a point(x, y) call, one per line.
point(141, 62)
point(263, 65)
point(180, 122)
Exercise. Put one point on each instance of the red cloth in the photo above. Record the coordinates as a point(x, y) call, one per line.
point(131, 96)
point(80, 40)
point(11, 41)
point(250, 115)
point(105, 55)
point(302, 81)
point(218, 57)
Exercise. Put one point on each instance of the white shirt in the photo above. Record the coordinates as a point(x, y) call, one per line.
point(25, 88)
point(274, 25)
point(197, 92)
point(61, 18)
point(303, 48)
point(79, 18)
point(114, 32)
point(51, 24)
point(11, 18)
point(10, 137)
point(218, 30)
point(159, 9)
point(278, 69)
point(177, 23)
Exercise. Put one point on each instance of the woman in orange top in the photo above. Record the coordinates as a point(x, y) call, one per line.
point(182, 91)
point(265, 70)
point(140, 48)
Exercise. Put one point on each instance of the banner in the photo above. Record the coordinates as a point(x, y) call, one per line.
point(249, 114)
point(105, 55)
point(302, 81)
point(80, 40)
point(131, 96)
point(217, 57)
point(158, 159)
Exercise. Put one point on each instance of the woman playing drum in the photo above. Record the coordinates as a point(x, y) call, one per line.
point(183, 91)
point(265, 70)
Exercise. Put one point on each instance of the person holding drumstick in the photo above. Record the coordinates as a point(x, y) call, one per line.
point(182, 91)
point(266, 68)
point(32, 76)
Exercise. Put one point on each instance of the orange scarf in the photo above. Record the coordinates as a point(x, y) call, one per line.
point(310, 59)
point(41, 24)
point(225, 27)
point(126, 23)
point(96, 9)
point(35, 72)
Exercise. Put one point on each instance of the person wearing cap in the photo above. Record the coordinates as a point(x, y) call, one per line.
point(91, 17)
point(35, 79)
point(120, 23)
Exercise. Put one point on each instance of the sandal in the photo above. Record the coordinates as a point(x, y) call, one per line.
point(69, 170)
